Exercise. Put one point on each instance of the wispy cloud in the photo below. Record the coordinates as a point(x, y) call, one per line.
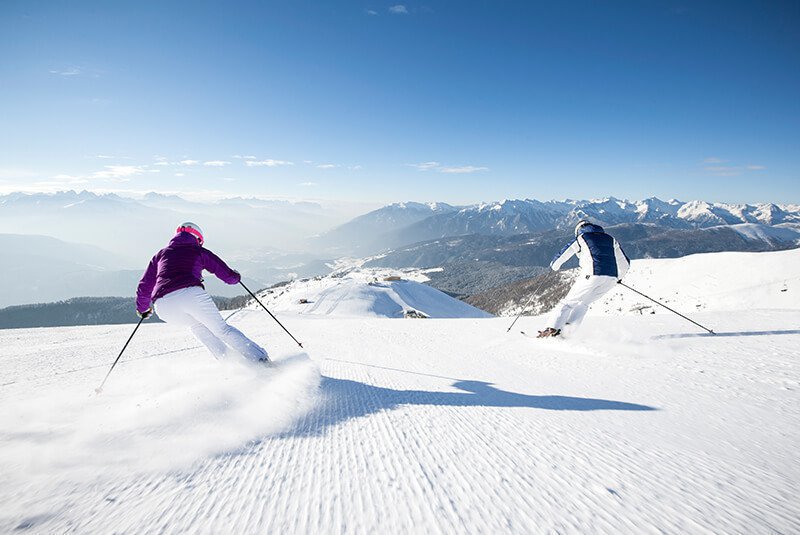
point(119, 172)
point(308, 184)
point(398, 9)
point(240, 157)
point(216, 163)
point(189, 162)
point(63, 180)
point(69, 71)
point(354, 167)
point(372, 12)
point(456, 170)
point(111, 157)
point(180, 174)
point(327, 166)
point(425, 166)
point(732, 170)
point(464, 169)
point(713, 160)
point(267, 163)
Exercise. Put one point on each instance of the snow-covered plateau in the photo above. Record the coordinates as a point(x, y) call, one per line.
point(639, 423)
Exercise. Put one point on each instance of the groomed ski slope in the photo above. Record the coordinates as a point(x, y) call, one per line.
point(643, 424)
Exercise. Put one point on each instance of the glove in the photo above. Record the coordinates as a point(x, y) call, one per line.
point(146, 314)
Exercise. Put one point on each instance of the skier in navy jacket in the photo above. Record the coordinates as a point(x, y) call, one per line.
point(602, 263)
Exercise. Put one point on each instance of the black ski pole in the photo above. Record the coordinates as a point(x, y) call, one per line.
point(530, 300)
point(270, 313)
point(100, 388)
point(665, 306)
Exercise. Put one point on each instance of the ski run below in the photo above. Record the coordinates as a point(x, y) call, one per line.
point(640, 423)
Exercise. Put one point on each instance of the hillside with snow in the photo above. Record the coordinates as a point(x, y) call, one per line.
point(362, 292)
point(701, 282)
point(640, 423)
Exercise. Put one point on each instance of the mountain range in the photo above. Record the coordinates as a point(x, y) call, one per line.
point(137, 227)
point(402, 224)
point(478, 262)
point(478, 247)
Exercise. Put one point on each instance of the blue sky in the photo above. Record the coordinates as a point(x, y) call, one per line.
point(456, 101)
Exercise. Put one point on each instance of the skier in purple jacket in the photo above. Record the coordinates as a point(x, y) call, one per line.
point(173, 284)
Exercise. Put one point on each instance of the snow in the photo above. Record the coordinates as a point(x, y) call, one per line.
point(754, 231)
point(711, 281)
point(361, 292)
point(639, 425)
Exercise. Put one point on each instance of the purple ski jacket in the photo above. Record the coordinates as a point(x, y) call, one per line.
point(180, 265)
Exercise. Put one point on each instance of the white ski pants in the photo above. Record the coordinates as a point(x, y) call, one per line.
point(586, 290)
point(194, 308)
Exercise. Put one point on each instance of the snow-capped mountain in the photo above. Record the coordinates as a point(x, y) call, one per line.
point(511, 217)
point(363, 292)
point(478, 262)
point(367, 232)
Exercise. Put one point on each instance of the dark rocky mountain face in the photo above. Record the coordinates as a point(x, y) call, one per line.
point(537, 295)
point(477, 263)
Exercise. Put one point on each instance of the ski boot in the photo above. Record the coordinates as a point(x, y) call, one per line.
point(549, 332)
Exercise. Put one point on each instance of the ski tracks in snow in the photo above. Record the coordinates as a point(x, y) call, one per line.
point(449, 426)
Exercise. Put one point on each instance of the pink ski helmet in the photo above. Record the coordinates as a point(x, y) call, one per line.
point(192, 229)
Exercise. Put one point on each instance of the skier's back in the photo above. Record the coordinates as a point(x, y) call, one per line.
point(173, 283)
point(602, 263)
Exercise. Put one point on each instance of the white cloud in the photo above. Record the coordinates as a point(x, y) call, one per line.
point(462, 169)
point(267, 163)
point(732, 170)
point(372, 12)
point(119, 171)
point(162, 163)
point(189, 162)
point(240, 157)
point(713, 160)
point(326, 166)
point(355, 167)
point(425, 166)
point(398, 9)
point(229, 179)
point(216, 163)
point(436, 166)
point(308, 184)
point(69, 71)
point(180, 174)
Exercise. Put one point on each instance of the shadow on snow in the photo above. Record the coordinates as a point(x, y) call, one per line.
point(721, 334)
point(344, 399)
